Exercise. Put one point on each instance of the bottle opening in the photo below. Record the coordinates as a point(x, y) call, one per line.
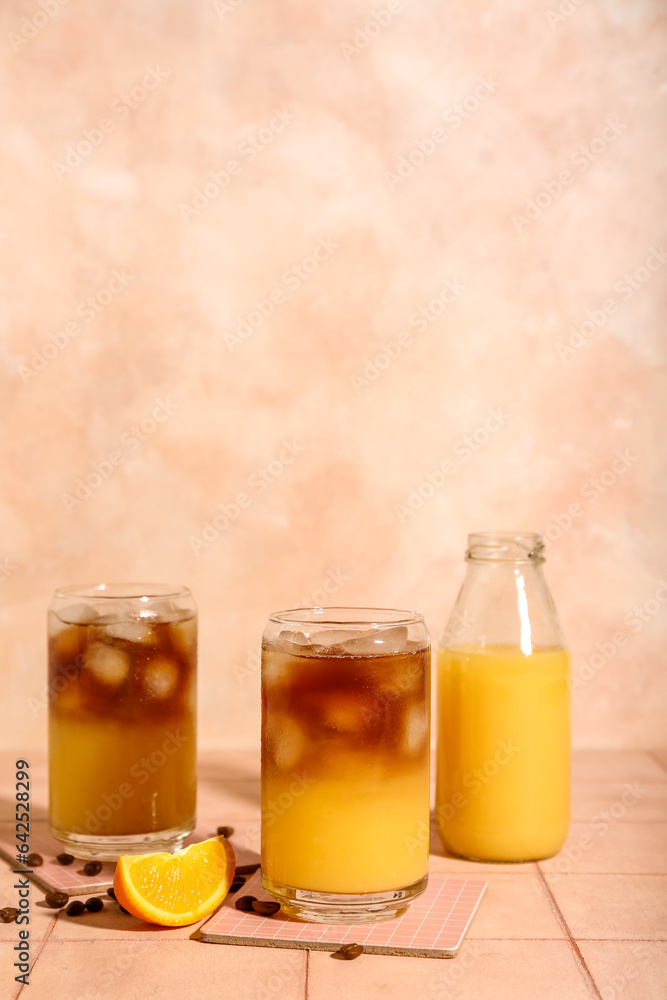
point(506, 546)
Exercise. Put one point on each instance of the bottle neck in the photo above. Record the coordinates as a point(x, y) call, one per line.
point(504, 600)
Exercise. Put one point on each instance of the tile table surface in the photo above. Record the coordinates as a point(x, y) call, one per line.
point(590, 923)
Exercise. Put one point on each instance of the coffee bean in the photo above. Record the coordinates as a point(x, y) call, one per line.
point(56, 900)
point(350, 951)
point(265, 907)
point(237, 884)
point(94, 904)
point(34, 860)
point(65, 859)
point(8, 914)
point(111, 894)
point(92, 868)
point(122, 909)
point(245, 903)
point(225, 831)
point(75, 908)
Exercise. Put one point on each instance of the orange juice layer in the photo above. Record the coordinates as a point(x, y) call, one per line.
point(110, 778)
point(360, 828)
point(503, 774)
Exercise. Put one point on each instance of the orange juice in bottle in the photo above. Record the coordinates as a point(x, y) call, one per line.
point(503, 704)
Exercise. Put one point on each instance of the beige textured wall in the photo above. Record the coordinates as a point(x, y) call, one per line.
point(499, 166)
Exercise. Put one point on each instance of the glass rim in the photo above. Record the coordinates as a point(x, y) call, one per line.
point(362, 616)
point(122, 591)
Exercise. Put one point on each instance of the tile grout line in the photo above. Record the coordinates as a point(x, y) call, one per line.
point(36, 958)
point(573, 944)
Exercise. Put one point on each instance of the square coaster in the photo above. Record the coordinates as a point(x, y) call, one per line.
point(71, 878)
point(433, 926)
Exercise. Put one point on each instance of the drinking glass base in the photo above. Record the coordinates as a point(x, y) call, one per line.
point(344, 908)
point(111, 848)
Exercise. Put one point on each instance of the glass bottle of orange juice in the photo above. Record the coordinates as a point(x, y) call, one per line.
point(503, 752)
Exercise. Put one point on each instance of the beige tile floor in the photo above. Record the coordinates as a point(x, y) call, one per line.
point(591, 923)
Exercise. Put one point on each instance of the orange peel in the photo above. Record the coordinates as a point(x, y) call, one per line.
point(174, 890)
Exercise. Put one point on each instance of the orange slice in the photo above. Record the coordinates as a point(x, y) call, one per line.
point(176, 889)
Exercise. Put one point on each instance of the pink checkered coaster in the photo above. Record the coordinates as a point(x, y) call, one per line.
point(72, 878)
point(434, 925)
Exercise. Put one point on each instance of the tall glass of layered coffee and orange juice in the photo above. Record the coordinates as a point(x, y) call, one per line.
point(122, 710)
point(345, 762)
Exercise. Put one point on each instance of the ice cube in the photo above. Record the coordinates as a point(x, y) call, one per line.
point(298, 638)
point(78, 614)
point(185, 635)
point(56, 626)
point(276, 667)
point(65, 644)
point(405, 676)
point(334, 636)
point(159, 677)
point(157, 611)
point(376, 641)
point(345, 712)
point(108, 664)
point(63, 639)
point(131, 632)
point(415, 728)
point(285, 740)
point(293, 642)
point(69, 699)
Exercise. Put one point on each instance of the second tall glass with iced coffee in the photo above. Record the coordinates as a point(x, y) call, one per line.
point(345, 762)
